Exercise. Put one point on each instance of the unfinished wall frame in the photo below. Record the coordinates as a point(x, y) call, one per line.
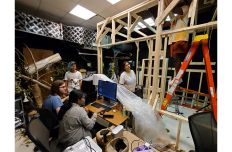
point(162, 14)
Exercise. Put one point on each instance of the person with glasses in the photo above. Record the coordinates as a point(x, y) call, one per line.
point(53, 102)
point(128, 78)
point(72, 77)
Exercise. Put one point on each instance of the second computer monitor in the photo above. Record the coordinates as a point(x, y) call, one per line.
point(107, 89)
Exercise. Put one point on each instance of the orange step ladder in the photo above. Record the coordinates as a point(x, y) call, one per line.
point(200, 39)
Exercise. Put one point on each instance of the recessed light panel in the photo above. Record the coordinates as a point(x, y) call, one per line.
point(113, 1)
point(82, 12)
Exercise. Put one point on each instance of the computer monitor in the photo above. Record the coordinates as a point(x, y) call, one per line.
point(87, 86)
point(107, 89)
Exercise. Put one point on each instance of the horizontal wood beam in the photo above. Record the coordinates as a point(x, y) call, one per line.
point(195, 27)
point(172, 115)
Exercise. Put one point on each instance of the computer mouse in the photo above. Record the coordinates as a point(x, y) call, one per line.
point(102, 112)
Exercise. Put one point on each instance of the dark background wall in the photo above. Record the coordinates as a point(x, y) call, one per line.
point(67, 50)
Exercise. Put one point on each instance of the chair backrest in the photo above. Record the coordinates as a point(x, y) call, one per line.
point(139, 92)
point(203, 127)
point(47, 117)
point(39, 134)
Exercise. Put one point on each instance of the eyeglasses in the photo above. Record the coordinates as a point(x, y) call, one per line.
point(127, 65)
point(63, 87)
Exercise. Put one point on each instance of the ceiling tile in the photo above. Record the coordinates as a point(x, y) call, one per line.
point(76, 1)
point(88, 25)
point(126, 4)
point(52, 11)
point(96, 19)
point(95, 6)
point(27, 6)
point(65, 5)
point(47, 17)
point(111, 11)
point(71, 19)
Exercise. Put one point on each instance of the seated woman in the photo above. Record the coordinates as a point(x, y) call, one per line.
point(53, 102)
point(74, 123)
point(128, 78)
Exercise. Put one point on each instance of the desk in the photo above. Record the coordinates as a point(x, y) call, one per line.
point(130, 137)
point(118, 118)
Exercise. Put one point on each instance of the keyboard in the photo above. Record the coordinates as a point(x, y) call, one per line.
point(97, 105)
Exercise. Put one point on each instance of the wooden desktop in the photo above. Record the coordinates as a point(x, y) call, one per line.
point(118, 118)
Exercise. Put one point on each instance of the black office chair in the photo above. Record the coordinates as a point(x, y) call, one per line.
point(203, 127)
point(40, 135)
point(48, 119)
point(139, 92)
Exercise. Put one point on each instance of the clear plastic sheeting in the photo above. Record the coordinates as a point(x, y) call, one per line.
point(149, 125)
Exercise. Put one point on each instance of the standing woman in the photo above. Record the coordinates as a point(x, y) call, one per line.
point(128, 78)
point(53, 102)
point(74, 123)
point(72, 77)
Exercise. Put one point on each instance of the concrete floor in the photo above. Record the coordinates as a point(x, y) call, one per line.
point(23, 144)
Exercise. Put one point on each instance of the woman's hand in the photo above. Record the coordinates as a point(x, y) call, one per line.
point(138, 87)
point(87, 110)
point(99, 110)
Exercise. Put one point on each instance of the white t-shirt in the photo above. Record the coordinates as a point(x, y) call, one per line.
point(73, 78)
point(128, 79)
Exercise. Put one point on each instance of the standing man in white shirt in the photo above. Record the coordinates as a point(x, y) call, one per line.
point(72, 78)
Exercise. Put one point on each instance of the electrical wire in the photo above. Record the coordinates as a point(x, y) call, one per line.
point(82, 56)
point(87, 144)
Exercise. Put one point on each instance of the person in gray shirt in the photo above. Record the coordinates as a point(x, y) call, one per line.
point(74, 123)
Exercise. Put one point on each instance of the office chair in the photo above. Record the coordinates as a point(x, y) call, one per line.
point(203, 128)
point(139, 92)
point(40, 135)
point(48, 119)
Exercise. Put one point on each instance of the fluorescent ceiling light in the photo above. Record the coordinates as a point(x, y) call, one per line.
point(148, 21)
point(168, 18)
point(82, 12)
point(113, 1)
point(136, 27)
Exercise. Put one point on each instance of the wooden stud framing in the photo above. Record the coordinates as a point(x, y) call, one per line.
point(164, 73)
point(171, 15)
point(167, 10)
point(102, 28)
point(178, 135)
point(113, 31)
point(137, 61)
point(162, 14)
point(193, 12)
point(128, 26)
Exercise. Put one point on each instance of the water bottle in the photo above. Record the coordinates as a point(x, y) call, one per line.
point(123, 112)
